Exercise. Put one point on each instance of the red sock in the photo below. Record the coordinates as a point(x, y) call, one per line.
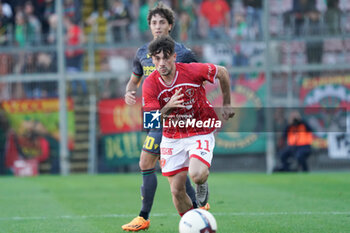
point(181, 214)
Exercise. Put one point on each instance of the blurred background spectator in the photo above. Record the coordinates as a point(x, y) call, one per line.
point(295, 18)
point(216, 16)
point(142, 19)
point(5, 22)
point(51, 36)
point(74, 56)
point(47, 12)
point(298, 140)
point(301, 7)
point(239, 58)
point(34, 25)
point(21, 29)
point(72, 10)
point(332, 17)
point(119, 20)
point(95, 12)
point(188, 19)
point(240, 28)
point(254, 17)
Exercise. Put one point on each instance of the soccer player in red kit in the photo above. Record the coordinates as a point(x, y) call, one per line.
point(161, 20)
point(189, 120)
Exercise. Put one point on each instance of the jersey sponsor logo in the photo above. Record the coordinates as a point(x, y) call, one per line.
point(188, 107)
point(147, 70)
point(166, 151)
point(189, 104)
point(151, 120)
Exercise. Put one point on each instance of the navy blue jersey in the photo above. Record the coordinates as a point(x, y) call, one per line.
point(142, 63)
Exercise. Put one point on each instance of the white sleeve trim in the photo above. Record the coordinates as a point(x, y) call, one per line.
point(216, 73)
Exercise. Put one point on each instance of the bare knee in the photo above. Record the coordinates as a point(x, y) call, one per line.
point(198, 171)
point(147, 161)
point(199, 177)
point(178, 192)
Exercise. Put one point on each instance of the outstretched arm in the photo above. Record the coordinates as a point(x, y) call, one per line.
point(224, 78)
point(130, 91)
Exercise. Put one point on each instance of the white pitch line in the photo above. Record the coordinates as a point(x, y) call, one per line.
point(18, 218)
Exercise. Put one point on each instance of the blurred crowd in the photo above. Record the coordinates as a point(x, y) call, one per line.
point(33, 23)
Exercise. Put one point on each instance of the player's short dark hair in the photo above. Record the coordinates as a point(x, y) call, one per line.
point(162, 43)
point(163, 11)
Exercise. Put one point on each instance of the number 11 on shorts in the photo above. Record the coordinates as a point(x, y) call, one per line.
point(206, 142)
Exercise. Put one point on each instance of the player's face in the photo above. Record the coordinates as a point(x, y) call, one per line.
point(165, 65)
point(159, 26)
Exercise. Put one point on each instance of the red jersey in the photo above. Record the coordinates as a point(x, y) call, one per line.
point(74, 34)
point(190, 77)
point(215, 12)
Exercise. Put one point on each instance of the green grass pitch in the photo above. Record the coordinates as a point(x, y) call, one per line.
point(281, 203)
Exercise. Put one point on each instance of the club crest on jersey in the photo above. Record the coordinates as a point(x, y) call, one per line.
point(189, 92)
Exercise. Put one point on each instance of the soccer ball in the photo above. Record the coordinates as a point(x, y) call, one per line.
point(197, 221)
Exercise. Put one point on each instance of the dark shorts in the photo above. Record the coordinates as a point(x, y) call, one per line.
point(152, 142)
